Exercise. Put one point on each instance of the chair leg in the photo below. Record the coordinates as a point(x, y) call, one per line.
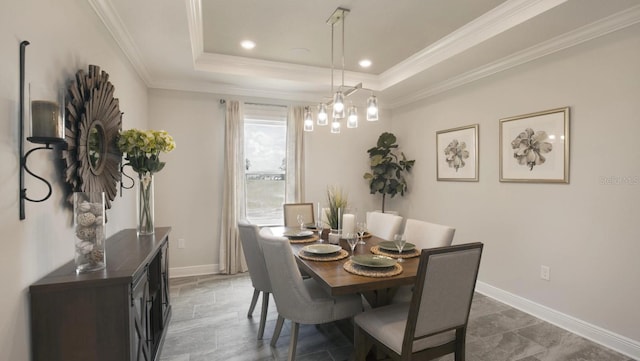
point(361, 344)
point(254, 300)
point(263, 315)
point(294, 340)
point(276, 331)
point(461, 336)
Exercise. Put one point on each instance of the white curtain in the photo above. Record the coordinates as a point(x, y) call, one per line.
point(231, 257)
point(295, 156)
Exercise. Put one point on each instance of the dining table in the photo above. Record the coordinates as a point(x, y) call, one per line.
point(336, 280)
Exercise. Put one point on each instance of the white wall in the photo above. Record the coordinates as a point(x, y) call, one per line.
point(65, 37)
point(189, 188)
point(586, 231)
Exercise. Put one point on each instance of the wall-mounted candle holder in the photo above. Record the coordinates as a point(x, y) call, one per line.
point(46, 127)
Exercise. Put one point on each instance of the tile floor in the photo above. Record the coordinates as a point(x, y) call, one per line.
point(210, 323)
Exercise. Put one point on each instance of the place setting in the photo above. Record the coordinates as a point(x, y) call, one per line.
point(369, 265)
point(323, 252)
point(399, 248)
point(300, 236)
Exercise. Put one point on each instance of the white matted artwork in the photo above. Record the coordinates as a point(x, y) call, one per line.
point(457, 154)
point(535, 147)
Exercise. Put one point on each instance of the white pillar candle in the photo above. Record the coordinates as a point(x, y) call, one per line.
point(348, 223)
point(46, 120)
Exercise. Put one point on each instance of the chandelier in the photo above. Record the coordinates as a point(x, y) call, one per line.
point(337, 106)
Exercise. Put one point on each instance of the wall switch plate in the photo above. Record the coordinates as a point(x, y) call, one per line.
point(181, 243)
point(545, 273)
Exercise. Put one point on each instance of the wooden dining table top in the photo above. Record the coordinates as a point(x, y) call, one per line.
point(337, 281)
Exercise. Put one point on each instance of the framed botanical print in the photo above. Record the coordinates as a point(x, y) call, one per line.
point(535, 147)
point(457, 154)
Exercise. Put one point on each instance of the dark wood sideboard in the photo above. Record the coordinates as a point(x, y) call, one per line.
point(120, 313)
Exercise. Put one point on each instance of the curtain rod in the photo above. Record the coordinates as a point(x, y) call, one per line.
point(223, 101)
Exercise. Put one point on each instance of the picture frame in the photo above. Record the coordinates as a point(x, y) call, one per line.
point(457, 154)
point(534, 148)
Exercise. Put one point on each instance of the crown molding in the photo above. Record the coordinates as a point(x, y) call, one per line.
point(581, 35)
point(116, 28)
point(194, 21)
point(492, 23)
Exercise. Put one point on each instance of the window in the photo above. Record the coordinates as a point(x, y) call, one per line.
point(265, 149)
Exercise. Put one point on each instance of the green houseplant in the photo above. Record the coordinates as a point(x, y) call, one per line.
point(387, 168)
point(337, 199)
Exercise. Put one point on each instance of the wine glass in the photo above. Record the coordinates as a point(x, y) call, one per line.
point(361, 228)
point(399, 240)
point(319, 227)
point(352, 240)
point(300, 219)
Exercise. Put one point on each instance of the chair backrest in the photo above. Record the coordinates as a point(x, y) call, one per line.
point(383, 225)
point(292, 297)
point(254, 256)
point(443, 293)
point(428, 235)
point(291, 211)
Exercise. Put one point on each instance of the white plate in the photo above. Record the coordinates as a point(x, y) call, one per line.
point(298, 234)
point(321, 248)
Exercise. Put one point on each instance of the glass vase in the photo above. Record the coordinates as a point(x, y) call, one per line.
point(88, 219)
point(145, 204)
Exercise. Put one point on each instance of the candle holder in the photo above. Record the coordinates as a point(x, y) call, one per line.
point(47, 127)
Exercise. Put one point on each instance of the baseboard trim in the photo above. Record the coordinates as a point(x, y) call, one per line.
point(205, 269)
point(619, 343)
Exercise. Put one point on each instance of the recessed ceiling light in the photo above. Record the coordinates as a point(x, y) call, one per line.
point(248, 44)
point(365, 63)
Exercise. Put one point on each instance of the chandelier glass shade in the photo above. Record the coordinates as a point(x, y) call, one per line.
point(337, 106)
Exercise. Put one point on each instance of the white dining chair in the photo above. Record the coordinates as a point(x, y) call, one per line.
point(434, 323)
point(423, 235)
point(257, 270)
point(428, 235)
point(300, 300)
point(383, 225)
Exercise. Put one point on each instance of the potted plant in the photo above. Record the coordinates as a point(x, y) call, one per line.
point(337, 204)
point(387, 168)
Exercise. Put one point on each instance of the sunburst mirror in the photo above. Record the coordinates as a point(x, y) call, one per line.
point(92, 124)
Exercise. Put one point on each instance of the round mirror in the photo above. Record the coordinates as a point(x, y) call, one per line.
point(92, 125)
point(96, 149)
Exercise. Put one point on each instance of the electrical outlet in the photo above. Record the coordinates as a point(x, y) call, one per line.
point(545, 273)
point(181, 243)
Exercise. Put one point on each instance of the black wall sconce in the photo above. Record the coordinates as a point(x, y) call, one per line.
point(47, 127)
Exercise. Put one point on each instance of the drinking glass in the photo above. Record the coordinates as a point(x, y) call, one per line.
point(361, 228)
point(399, 240)
point(352, 240)
point(319, 227)
point(300, 219)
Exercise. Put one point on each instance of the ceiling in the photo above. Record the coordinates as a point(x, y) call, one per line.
point(418, 48)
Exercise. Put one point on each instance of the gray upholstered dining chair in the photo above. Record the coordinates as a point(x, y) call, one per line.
point(257, 270)
point(291, 211)
point(300, 300)
point(434, 323)
point(423, 235)
point(383, 225)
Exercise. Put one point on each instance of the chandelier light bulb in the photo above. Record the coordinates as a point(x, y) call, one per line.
point(308, 120)
point(372, 108)
point(323, 117)
point(335, 127)
point(352, 119)
point(338, 105)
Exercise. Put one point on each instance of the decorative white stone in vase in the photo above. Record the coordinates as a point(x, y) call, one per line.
point(88, 217)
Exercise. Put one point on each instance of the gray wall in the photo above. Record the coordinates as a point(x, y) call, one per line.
point(65, 36)
point(587, 232)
